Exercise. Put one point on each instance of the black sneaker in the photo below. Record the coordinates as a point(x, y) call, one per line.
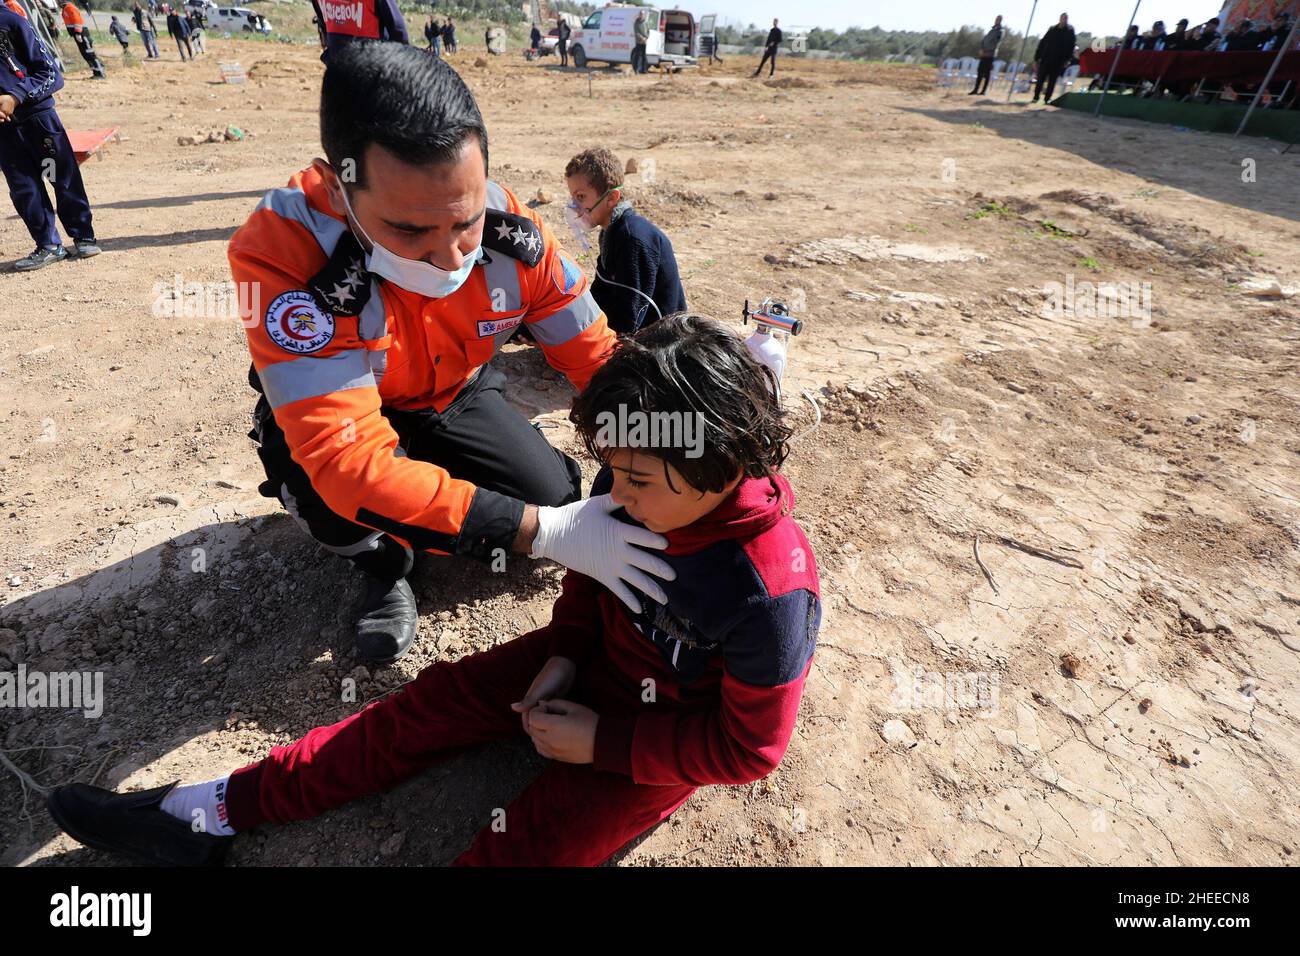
point(388, 621)
point(133, 825)
point(41, 258)
point(85, 248)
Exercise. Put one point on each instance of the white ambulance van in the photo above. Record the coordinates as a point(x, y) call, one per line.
point(608, 35)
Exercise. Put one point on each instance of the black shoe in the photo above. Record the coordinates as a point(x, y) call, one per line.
point(388, 621)
point(41, 258)
point(133, 825)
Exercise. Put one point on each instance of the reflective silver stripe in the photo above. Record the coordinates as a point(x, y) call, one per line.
point(496, 197)
point(372, 323)
point(309, 376)
point(502, 277)
point(569, 321)
point(501, 338)
point(369, 543)
point(292, 204)
point(378, 364)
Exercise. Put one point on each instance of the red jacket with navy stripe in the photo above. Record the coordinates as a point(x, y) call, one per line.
point(712, 679)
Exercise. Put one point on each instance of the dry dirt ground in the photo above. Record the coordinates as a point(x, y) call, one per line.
point(1128, 695)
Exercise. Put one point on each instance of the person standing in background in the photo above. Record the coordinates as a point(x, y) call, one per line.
point(642, 31)
point(563, 45)
point(195, 21)
point(34, 148)
point(179, 28)
point(774, 37)
point(144, 23)
point(449, 37)
point(364, 20)
point(120, 34)
point(988, 50)
point(1055, 50)
point(76, 26)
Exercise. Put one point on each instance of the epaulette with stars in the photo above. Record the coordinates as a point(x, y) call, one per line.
point(515, 236)
point(343, 286)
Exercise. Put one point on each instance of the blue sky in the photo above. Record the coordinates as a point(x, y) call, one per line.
point(1095, 16)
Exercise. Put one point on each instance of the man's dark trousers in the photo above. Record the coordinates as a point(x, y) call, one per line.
point(479, 439)
point(983, 74)
point(86, 45)
point(30, 150)
point(1048, 74)
point(769, 53)
point(563, 47)
point(638, 59)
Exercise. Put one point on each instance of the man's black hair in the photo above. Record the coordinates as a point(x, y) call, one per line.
point(694, 366)
point(408, 101)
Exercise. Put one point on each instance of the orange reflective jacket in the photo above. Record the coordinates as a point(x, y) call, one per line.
point(72, 16)
point(332, 344)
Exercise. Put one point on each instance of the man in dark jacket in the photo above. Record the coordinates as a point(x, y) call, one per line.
point(179, 27)
point(1178, 39)
point(1209, 38)
point(34, 147)
point(637, 281)
point(1054, 53)
point(1244, 37)
point(774, 37)
point(988, 50)
point(1155, 40)
point(369, 20)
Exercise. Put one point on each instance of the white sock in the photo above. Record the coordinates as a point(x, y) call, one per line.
point(202, 805)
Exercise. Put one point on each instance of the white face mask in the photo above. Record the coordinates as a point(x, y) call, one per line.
point(576, 216)
point(578, 225)
point(414, 275)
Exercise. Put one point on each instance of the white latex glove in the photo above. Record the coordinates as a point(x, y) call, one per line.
point(585, 537)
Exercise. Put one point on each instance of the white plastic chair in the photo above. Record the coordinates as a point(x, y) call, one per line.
point(1018, 76)
point(1069, 77)
point(947, 70)
point(969, 67)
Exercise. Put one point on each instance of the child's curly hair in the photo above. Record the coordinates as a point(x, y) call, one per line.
point(692, 365)
point(599, 165)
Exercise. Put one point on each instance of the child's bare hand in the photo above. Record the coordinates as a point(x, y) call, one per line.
point(553, 680)
point(563, 730)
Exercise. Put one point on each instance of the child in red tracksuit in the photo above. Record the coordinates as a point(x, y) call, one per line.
point(634, 711)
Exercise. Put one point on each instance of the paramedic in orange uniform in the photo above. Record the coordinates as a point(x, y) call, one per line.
point(377, 286)
point(342, 21)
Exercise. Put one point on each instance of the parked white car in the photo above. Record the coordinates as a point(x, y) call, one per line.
point(608, 35)
point(237, 20)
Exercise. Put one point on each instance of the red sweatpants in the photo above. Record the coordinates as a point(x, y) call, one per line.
point(571, 815)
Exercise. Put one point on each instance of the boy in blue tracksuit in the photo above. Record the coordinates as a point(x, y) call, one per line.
point(34, 146)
